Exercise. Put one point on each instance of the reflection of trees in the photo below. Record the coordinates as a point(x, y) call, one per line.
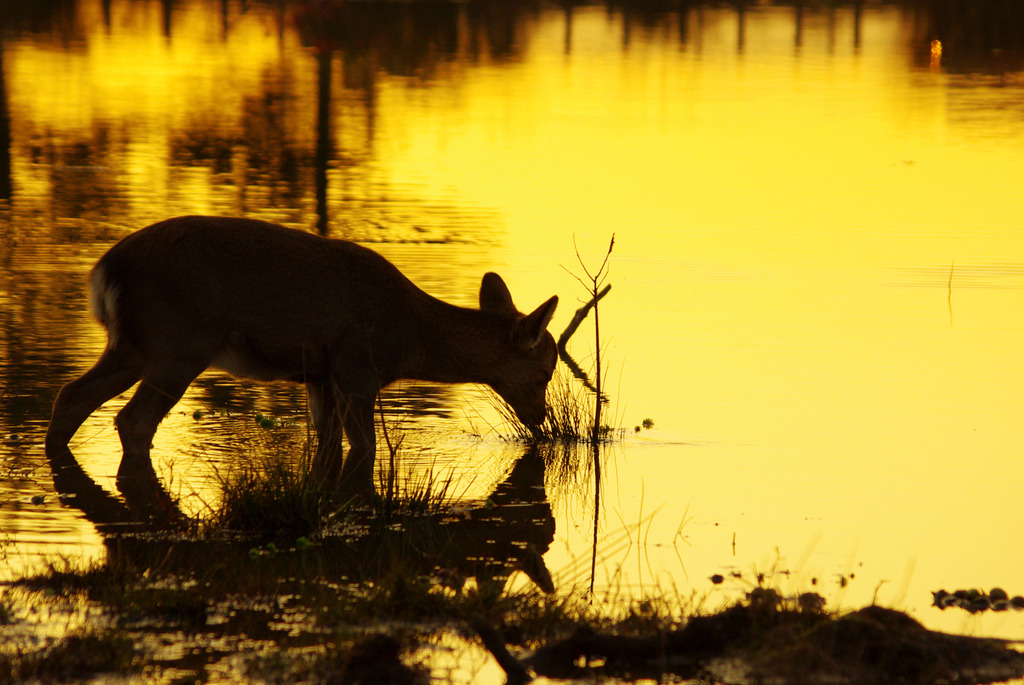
point(324, 146)
point(987, 35)
point(54, 17)
point(259, 150)
point(76, 188)
point(34, 318)
point(982, 35)
point(656, 17)
point(86, 177)
point(5, 133)
point(282, 153)
point(270, 150)
point(413, 40)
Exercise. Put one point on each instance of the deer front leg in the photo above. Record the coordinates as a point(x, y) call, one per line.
point(329, 426)
point(336, 413)
point(357, 474)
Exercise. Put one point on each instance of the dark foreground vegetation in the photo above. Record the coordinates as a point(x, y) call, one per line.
point(275, 586)
point(275, 618)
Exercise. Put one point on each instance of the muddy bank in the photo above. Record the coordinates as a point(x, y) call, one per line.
point(769, 643)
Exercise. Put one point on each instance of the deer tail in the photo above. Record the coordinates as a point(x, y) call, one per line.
point(103, 297)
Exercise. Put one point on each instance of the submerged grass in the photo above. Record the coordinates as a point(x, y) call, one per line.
point(268, 493)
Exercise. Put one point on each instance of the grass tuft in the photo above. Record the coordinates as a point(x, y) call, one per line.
point(271, 497)
point(569, 420)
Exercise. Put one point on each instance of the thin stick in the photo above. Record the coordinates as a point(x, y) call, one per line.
point(390, 487)
point(597, 511)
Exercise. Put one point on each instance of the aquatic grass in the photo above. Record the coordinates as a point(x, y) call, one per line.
point(786, 589)
point(575, 403)
point(271, 496)
point(404, 492)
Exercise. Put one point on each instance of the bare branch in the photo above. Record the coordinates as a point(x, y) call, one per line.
point(579, 316)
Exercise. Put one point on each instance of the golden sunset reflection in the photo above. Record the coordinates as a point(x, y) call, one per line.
point(786, 228)
point(818, 273)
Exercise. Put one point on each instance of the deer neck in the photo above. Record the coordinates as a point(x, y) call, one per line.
point(457, 344)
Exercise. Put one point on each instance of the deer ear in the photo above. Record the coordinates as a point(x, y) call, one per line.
point(531, 328)
point(495, 297)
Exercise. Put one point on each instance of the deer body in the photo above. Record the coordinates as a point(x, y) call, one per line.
point(269, 303)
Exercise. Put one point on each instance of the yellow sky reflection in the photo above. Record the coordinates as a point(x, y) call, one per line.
point(757, 159)
point(785, 226)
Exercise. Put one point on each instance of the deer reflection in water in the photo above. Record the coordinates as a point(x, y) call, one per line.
point(487, 542)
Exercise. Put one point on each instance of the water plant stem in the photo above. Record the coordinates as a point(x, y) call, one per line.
point(594, 286)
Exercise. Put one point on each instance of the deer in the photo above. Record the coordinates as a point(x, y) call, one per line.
point(269, 303)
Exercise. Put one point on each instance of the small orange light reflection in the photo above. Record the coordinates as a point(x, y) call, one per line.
point(935, 61)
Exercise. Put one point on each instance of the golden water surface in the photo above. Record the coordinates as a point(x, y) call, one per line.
point(817, 278)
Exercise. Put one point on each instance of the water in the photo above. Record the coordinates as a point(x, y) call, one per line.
point(817, 280)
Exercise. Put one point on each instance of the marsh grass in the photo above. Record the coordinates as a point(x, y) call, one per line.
point(409, 492)
point(575, 404)
point(269, 492)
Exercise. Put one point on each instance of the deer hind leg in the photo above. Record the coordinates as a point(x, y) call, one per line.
point(137, 422)
point(113, 373)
